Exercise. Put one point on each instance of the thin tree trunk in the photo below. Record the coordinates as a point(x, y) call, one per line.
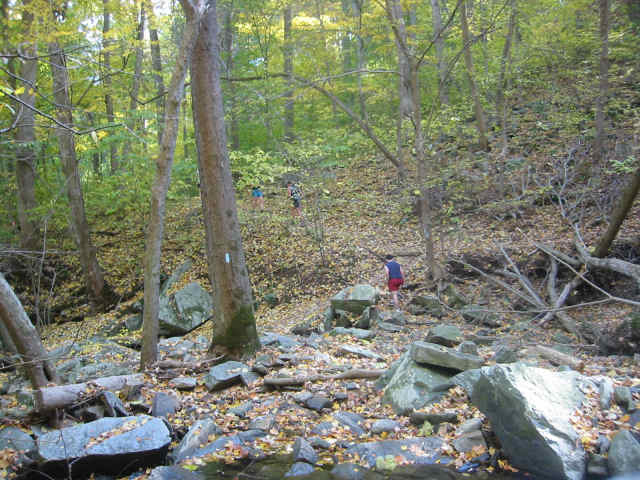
point(96, 157)
point(156, 63)
point(25, 338)
point(135, 87)
point(228, 50)
point(25, 140)
point(107, 82)
point(161, 182)
point(604, 82)
point(98, 290)
point(481, 123)
point(436, 15)
point(234, 328)
point(357, 6)
point(287, 52)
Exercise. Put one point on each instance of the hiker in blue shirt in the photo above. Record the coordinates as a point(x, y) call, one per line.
point(295, 193)
point(395, 277)
point(257, 198)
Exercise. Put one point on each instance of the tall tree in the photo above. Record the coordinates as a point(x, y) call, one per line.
point(227, 47)
point(481, 123)
point(439, 37)
point(287, 51)
point(107, 79)
point(601, 104)
point(26, 138)
point(25, 337)
point(156, 63)
point(100, 294)
point(234, 327)
point(161, 182)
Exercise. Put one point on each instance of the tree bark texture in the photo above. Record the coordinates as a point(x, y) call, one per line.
point(234, 326)
point(287, 51)
point(156, 63)
point(601, 103)
point(107, 81)
point(25, 151)
point(98, 290)
point(160, 187)
point(227, 42)
point(481, 124)
point(436, 16)
point(25, 338)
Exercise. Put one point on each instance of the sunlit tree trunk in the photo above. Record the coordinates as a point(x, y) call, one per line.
point(135, 88)
point(160, 187)
point(25, 143)
point(227, 42)
point(107, 81)
point(234, 326)
point(25, 337)
point(481, 124)
point(287, 51)
point(156, 63)
point(604, 82)
point(436, 16)
point(98, 290)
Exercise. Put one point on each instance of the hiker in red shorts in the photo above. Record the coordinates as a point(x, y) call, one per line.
point(395, 278)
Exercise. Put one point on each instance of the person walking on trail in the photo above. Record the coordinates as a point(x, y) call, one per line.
point(295, 193)
point(395, 277)
point(257, 198)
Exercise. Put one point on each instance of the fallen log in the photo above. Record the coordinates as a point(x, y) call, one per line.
point(190, 366)
point(558, 358)
point(302, 379)
point(60, 396)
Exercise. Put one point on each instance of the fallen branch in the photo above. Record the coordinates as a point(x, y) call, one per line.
point(60, 396)
point(302, 379)
point(626, 268)
point(558, 358)
point(559, 300)
point(187, 366)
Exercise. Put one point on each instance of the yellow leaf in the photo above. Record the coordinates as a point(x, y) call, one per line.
point(19, 91)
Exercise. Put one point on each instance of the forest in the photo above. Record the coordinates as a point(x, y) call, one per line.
point(205, 203)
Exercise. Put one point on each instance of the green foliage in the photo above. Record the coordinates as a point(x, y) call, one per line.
point(256, 167)
point(184, 179)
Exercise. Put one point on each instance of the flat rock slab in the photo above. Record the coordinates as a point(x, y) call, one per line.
point(360, 333)
point(355, 299)
point(359, 352)
point(183, 383)
point(419, 451)
point(424, 353)
point(109, 446)
point(198, 435)
point(174, 473)
point(224, 375)
point(240, 439)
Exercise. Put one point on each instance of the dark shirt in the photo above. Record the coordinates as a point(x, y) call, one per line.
point(394, 269)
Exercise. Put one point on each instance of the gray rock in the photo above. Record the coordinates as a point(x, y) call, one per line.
point(16, 439)
point(359, 352)
point(241, 410)
point(428, 304)
point(505, 354)
point(183, 383)
point(356, 332)
point(348, 471)
point(175, 277)
point(418, 418)
point(283, 342)
point(221, 443)
point(198, 434)
point(299, 468)
point(453, 297)
point(468, 436)
point(624, 454)
point(224, 375)
point(389, 327)
point(606, 392)
point(351, 420)
point(302, 397)
point(318, 403)
point(597, 467)
point(480, 315)
point(425, 353)
point(468, 347)
point(184, 310)
point(364, 322)
point(263, 422)
point(622, 396)
point(384, 425)
point(355, 299)
point(109, 446)
point(174, 473)
point(411, 385)
point(422, 451)
point(304, 452)
point(164, 405)
point(113, 405)
point(317, 442)
point(397, 318)
point(322, 428)
point(447, 335)
point(249, 378)
point(91, 413)
point(529, 409)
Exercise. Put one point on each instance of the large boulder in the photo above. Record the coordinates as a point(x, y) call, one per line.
point(529, 409)
point(224, 375)
point(411, 385)
point(425, 353)
point(109, 446)
point(624, 454)
point(184, 310)
point(199, 434)
point(355, 299)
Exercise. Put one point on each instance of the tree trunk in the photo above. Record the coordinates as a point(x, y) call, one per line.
point(228, 50)
point(25, 337)
point(481, 124)
point(156, 63)
point(25, 148)
point(96, 157)
point(135, 88)
point(98, 290)
point(234, 328)
point(357, 6)
point(604, 82)
point(107, 82)
point(161, 182)
point(287, 52)
point(439, 37)
point(618, 215)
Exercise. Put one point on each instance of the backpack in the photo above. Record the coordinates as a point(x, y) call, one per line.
point(296, 193)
